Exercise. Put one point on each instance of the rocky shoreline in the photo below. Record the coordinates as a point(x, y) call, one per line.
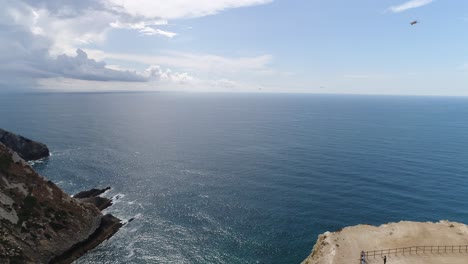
point(39, 223)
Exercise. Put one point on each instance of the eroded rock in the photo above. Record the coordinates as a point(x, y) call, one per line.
point(25, 147)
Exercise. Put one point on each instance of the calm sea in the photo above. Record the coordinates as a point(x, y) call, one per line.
point(248, 178)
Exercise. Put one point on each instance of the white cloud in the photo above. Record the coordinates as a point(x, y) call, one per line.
point(83, 68)
point(191, 61)
point(25, 58)
point(72, 23)
point(156, 73)
point(149, 31)
point(410, 5)
point(145, 28)
point(177, 9)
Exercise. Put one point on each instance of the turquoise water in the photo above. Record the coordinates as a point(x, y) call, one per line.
point(240, 178)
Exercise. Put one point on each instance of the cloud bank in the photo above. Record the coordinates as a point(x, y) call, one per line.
point(47, 39)
point(410, 5)
point(83, 68)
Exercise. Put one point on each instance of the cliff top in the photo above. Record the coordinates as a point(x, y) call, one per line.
point(345, 246)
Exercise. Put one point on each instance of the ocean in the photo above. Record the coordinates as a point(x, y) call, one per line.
point(248, 178)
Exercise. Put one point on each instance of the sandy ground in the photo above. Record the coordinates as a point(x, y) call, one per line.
point(344, 247)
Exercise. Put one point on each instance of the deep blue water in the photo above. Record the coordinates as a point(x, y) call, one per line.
point(242, 178)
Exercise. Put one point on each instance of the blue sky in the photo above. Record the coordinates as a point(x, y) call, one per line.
point(352, 47)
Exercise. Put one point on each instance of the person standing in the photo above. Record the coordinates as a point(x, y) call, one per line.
point(363, 257)
point(385, 260)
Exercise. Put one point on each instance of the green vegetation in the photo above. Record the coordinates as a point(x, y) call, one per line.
point(5, 163)
point(49, 211)
point(27, 209)
point(4, 242)
point(61, 215)
point(29, 202)
point(57, 226)
point(17, 259)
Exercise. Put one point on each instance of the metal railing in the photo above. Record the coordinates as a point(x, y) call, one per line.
point(417, 250)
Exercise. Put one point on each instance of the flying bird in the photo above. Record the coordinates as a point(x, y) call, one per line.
point(414, 22)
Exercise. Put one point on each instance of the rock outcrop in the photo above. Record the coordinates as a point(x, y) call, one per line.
point(92, 197)
point(26, 148)
point(108, 227)
point(91, 193)
point(39, 223)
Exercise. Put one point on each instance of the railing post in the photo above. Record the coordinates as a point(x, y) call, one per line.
point(394, 251)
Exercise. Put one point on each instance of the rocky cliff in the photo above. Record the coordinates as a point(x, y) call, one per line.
point(39, 223)
point(26, 148)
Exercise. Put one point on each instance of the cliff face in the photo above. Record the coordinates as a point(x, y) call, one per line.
point(26, 148)
point(38, 221)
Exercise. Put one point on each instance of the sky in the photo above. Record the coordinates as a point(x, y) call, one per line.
point(284, 46)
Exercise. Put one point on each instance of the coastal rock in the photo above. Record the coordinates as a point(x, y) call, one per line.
point(92, 196)
point(108, 227)
point(39, 223)
point(420, 240)
point(91, 193)
point(26, 148)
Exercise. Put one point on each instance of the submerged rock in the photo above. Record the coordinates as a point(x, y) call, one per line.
point(25, 147)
